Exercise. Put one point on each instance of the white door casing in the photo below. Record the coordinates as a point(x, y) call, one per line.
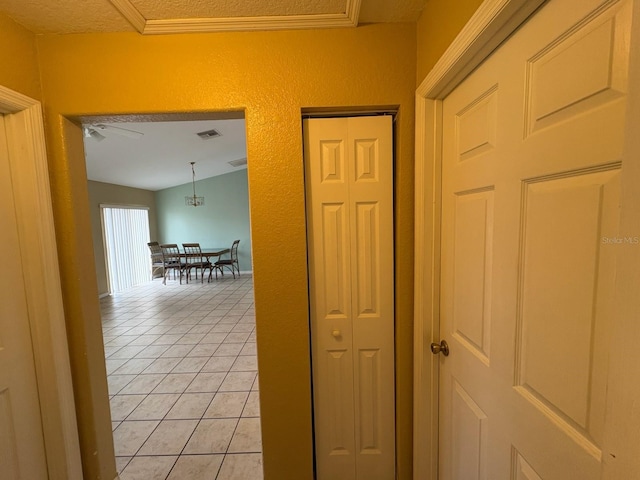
point(529, 215)
point(35, 286)
point(21, 439)
point(349, 176)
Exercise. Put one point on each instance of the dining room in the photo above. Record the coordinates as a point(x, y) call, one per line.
point(180, 346)
point(189, 176)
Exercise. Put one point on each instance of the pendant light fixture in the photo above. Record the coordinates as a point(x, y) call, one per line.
point(193, 201)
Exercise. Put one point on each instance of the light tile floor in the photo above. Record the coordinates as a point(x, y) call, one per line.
point(183, 380)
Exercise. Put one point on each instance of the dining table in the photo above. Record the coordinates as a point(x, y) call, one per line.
point(217, 252)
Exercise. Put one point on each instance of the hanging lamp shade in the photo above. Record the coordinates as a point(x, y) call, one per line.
point(193, 200)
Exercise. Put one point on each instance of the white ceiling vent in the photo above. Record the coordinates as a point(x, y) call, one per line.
point(209, 134)
point(238, 163)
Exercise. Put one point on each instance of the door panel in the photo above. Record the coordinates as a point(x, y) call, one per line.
point(349, 176)
point(22, 452)
point(531, 175)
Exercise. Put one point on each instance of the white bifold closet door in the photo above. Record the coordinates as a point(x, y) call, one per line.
point(349, 182)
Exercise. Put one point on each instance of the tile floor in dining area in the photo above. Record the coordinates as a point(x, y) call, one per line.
point(183, 380)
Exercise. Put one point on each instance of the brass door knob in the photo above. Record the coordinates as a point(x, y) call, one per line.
point(441, 347)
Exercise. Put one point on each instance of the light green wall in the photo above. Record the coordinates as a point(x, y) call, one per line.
point(107, 193)
point(223, 218)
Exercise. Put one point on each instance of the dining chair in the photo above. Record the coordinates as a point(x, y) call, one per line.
point(172, 261)
point(230, 263)
point(194, 261)
point(156, 259)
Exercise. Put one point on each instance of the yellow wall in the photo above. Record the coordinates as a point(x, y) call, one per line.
point(18, 59)
point(440, 22)
point(271, 76)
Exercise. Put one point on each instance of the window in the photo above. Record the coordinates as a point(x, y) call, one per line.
point(126, 234)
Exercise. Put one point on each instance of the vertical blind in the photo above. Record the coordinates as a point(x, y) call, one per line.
point(126, 234)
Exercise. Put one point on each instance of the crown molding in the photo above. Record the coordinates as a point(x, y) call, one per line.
point(235, 24)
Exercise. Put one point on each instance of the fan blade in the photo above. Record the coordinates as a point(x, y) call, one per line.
point(125, 132)
point(92, 133)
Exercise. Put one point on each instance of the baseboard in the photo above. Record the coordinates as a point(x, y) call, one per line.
point(248, 272)
point(102, 295)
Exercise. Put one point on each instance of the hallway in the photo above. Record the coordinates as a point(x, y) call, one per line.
point(183, 383)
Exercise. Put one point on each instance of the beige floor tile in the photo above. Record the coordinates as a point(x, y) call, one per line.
point(175, 383)
point(196, 467)
point(241, 467)
point(129, 351)
point(246, 363)
point(180, 351)
point(190, 338)
point(122, 405)
point(152, 351)
point(190, 406)
point(190, 365)
point(113, 364)
point(206, 382)
point(252, 407)
point(169, 438)
point(118, 382)
point(238, 382)
point(214, 337)
point(227, 405)
point(246, 438)
point(203, 350)
point(249, 349)
point(168, 339)
point(122, 462)
point(143, 383)
point(134, 366)
point(148, 468)
point(162, 365)
point(129, 436)
point(228, 349)
point(211, 436)
point(218, 364)
point(237, 337)
point(154, 407)
point(170, 329)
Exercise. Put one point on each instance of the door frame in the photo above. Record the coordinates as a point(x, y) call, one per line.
point(492, 23)
point(30, 178)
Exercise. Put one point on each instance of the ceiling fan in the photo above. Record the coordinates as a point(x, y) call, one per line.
point(97, 130)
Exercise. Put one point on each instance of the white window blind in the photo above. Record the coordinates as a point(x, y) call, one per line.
point(126, 234)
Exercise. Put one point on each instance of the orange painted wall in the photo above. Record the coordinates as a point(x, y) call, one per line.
point(271, 76)
point(18, 59)
point(439, 24)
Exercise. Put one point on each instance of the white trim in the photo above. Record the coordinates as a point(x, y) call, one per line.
point(30, 177)
point(491, 24)
point(202, 25)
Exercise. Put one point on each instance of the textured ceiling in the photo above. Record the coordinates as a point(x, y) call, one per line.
point(161, 9)
point(160, 158)
point(88, 16)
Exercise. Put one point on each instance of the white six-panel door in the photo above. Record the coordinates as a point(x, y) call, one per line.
point(349, 177)
point(532, 148)
point(22, 454)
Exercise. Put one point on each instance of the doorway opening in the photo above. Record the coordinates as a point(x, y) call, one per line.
point(180, 358)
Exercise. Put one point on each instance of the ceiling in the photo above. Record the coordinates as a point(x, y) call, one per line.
point(174, 16)
point(161, 157)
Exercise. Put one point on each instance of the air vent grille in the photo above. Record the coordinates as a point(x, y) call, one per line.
point(209, 134)
point(238, 163)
